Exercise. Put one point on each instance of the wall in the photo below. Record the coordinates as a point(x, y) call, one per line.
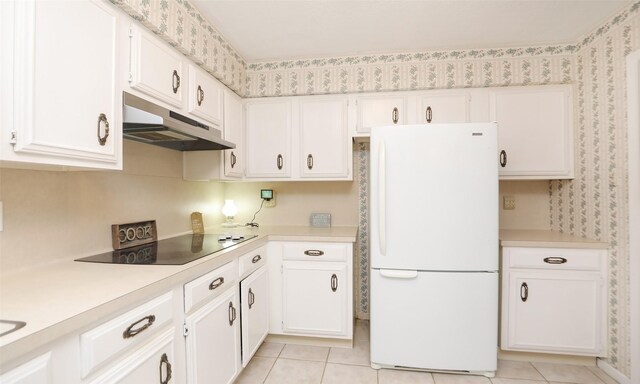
point(51, 215)
point(595, 203)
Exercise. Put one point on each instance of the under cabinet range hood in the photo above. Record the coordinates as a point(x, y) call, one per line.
point(150, 123)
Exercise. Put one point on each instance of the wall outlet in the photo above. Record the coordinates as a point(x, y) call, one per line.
point(271, 202)
point(508, 202)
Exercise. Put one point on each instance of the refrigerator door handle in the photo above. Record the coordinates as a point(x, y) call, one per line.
point(382, 187)
point(396, 274)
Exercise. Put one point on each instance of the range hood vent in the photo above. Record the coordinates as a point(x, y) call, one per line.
point(150, 123)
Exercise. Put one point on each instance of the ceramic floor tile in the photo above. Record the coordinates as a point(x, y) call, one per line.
point(517, 370)
point(392, 376)
point(358, 355)
point(500, 380)
point(286, 371)
point(361, 330)
point(256, 371)
point(602, 375)
point(304, 352)
point(269, 349)
point(567, 373)
point(445, 378)
point(349, 374)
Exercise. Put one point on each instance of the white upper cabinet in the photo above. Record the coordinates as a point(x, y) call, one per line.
point(233, 158)
point(534, 131)
point(380, 110)
point(205, 96)
point(60, 100)
point(157, 69)
point(435, 108)
point(268, 138)
point(324, 142)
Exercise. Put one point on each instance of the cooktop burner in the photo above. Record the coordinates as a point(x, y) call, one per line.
point(173, 251)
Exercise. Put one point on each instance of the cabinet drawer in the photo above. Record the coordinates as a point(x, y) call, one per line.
point(208, 286)
point(315, 251)
point(125, 331)
point(251, 261)
point(553, 258)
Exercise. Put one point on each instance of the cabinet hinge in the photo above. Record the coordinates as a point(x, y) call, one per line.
point(185, 330)
point(13, 137)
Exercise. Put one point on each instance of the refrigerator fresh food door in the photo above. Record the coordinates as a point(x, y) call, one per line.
point(434, 320)
point(434, 197)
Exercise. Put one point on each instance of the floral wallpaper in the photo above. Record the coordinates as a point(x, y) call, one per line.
point(181, 25)
point(594, 204)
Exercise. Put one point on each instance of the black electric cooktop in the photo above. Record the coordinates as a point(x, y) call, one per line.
point(173, 251)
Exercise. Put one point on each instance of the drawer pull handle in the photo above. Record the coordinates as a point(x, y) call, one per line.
point(102, 118)
point(232, 314)
point(555, 260)
point(132, 331)
point(256, 258)
point(310, 161)
point(164, 360)
point(233, 159)
point(395, 115)
point(216, 283)
point(429, 115)
point(252, 298)
point(200, 96)
point(313, 252)
point(334, 282)
point(524, 292)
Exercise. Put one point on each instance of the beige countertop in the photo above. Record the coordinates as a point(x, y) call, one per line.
point(66, 296)
point(546, 239)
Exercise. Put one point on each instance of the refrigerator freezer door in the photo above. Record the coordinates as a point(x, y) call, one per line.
point(435, 321)
point(434, 197)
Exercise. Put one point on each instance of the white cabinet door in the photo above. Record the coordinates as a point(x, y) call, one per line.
point(324, 142)
point(156, 68)
point(534, 131)
point(213, 341)
point(380, 110)
point(61, 83)
point(205, 96)
point(254, 294)
point(314, 298)
point(35, 371)
point(233, 158)
point(152, 363)
point(555, 311)
point(268, 138)
point(443, 108)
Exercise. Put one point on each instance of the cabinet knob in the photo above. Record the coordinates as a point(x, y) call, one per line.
point(334, 282)
point(232, 313)
point(395, 115)
point(429, 114)
point(279, 161)
point(103, 119)
point(503, 158)
point(310, 161)
point(233, 159)
point(164, 360)
point(175, 81)
point(199, 95)
point(524, 292)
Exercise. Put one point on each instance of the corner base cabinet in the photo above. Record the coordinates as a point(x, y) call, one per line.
point(553, 300)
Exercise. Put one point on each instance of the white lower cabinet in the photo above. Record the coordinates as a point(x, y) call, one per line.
point(34, 371)
point(254, 296)
point(316, 289)
point(151, 363)
point(553, 300)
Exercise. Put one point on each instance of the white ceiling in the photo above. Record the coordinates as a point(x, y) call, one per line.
point(286, 29)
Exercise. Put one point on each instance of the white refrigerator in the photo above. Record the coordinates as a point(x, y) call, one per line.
point(434, 247)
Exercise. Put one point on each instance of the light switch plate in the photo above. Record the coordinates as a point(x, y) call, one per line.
point(322, 220)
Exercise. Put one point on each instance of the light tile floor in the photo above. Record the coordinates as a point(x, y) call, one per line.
point(282, 364)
